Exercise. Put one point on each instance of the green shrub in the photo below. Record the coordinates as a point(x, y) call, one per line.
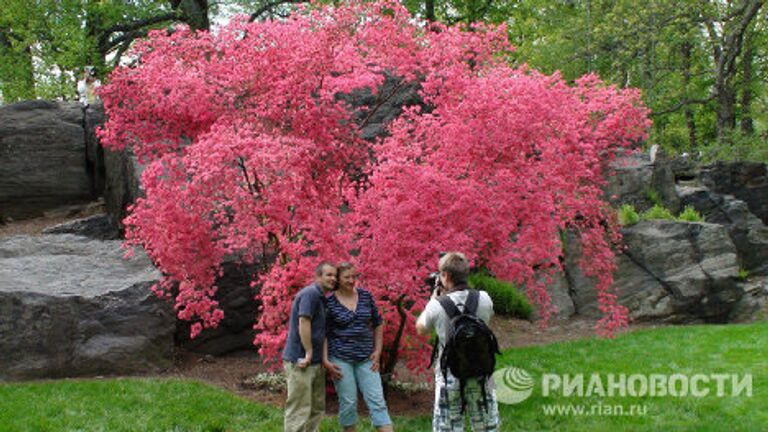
point(507, 300)
point(627, 215)
point(736, 146)
point(689, 214)
point(657, 212)
point(743, 274)
point(653, 196)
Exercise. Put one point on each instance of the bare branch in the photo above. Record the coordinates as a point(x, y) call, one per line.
point(269, 6)
point(682, 104)
point(380, 103)
point(135, 25)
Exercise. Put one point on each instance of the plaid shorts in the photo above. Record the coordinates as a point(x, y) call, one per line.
point(447, 415)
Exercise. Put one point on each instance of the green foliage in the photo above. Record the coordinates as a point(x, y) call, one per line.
point(737, 146)
point(743, 274)
point(266, 380)
point(45, 44)
point(653, 196)
point(689, 214)
point(657, 212)
point(628, 215)
point(507, 300)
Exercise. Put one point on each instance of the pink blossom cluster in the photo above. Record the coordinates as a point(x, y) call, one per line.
point(252, 155)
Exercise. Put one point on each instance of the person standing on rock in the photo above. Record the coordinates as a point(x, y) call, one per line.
point(86, 87)
point(303, 354)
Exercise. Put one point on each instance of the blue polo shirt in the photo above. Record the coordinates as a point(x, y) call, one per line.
point(309, 302)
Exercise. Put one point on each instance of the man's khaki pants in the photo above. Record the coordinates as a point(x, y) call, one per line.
point(305, 406)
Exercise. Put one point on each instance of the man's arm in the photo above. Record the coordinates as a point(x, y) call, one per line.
point(425, 322)
point(421, 327)
point(305, 334)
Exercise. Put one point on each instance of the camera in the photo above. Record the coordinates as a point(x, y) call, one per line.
point(433, 282)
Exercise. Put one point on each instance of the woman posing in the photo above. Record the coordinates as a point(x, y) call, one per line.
point(353, 348)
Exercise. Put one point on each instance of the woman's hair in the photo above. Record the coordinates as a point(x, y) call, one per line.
point(340, 269)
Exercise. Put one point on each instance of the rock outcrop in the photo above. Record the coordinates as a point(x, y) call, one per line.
point(638, 181)
point(747, 181)
point(42, 158)
point(748, 233)
point(72, 306)
point(676, 272)
point(236, 299)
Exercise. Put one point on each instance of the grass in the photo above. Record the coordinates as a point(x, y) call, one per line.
point(729, 349)
point(174, 405)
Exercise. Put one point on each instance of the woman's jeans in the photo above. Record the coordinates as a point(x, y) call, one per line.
point(359, 375)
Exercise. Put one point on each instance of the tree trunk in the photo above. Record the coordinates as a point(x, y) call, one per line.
point(195, 13)
point(726, 115)
point(747, 126)
point(429, 10)
point(726, 50)
point(690, 121)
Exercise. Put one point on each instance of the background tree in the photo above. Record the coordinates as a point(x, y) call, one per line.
point(668, 49)
point(45, 44)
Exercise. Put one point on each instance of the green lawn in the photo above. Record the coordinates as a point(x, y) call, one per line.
point(173, 405)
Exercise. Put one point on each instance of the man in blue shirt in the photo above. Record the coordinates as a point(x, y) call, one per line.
point(303, 354)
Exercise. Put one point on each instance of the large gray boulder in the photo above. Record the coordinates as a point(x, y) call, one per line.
point(636, 180)
point(94, 152)
point(748, 232)
point(747, 181)
point(753, 306)
point(122, 183)
point(676, 272)
point(236, 298)
point(73, 306)
point(99, 227)
point(42, 157)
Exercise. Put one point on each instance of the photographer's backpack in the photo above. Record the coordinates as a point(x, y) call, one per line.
point(471, 347)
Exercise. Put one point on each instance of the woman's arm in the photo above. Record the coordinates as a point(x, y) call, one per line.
point(378, 344)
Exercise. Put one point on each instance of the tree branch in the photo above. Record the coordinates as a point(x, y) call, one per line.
point(683, 103)
point(135, 25)
point(269, 6)
point(125, 38)
point(105, 45)
point(381, 102)
point(733, 42)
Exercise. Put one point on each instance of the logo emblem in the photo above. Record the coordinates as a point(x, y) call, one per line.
point(513, 385)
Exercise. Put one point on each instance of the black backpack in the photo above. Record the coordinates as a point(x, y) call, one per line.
point(471, 347)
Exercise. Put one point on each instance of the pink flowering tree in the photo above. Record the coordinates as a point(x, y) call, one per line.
point(251, 154)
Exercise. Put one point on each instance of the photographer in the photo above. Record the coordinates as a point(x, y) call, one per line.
point(456, 398)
